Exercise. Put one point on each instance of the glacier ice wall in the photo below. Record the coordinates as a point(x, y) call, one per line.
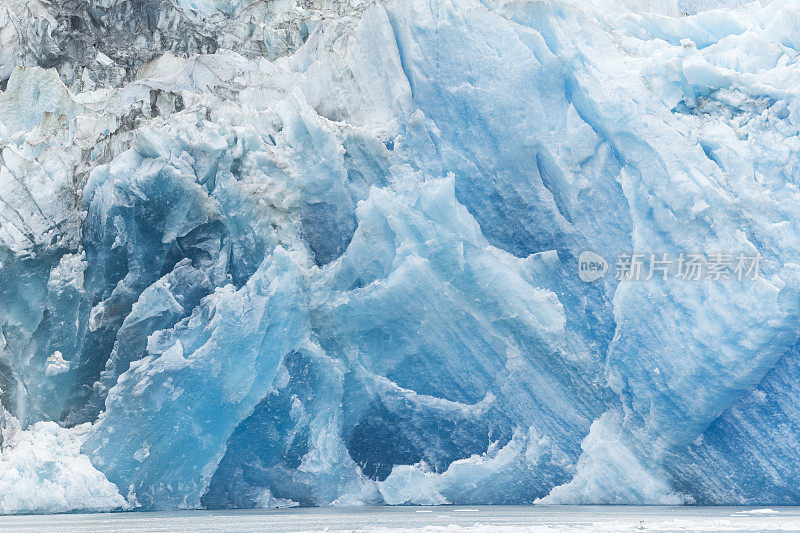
point(325, 253)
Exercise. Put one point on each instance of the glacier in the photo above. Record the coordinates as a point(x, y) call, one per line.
point(279, 253)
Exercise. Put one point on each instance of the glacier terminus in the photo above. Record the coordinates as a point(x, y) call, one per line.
point(286, 253)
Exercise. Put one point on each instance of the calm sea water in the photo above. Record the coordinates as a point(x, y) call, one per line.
point(449, 518)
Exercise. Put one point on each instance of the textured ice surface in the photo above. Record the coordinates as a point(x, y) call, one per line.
point(324, 253)
point(43, 471)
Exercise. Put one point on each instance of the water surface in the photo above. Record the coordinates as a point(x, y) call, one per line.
point(497, 519)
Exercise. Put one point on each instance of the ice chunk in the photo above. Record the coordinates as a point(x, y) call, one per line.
point(33, 94)
point(43, 471)
point(609, 472)
point(56, 364)
point(200, 379)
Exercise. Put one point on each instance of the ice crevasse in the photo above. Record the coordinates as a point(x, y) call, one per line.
point(327, 255)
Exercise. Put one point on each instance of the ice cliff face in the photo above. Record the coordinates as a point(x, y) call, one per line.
point(274, 253)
